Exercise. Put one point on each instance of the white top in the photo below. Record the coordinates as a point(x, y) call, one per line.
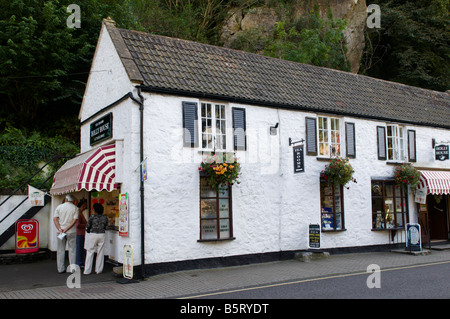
point(66, 213)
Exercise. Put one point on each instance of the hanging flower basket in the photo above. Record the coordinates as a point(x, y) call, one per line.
point(406, 175)
point(339, 171)
point(221, 169)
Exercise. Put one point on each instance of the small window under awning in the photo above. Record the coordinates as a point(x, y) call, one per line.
point(436, 182)
point(93, 170)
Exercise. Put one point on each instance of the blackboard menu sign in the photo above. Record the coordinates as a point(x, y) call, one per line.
point(101, 129)
point(299, 159)
point(314, 236)
point(441, 152)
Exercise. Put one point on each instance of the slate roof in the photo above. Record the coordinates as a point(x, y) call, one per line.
point(187, 68)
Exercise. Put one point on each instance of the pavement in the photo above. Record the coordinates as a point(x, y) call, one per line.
point(39, 280)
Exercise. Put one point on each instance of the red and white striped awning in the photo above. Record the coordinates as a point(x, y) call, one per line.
point(436, 182)
point(93, 170)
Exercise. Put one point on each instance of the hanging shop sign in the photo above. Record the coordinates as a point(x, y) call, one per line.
point(35, 196)
point(314, 236)
point(413, 242)
point(101, 129)
point(27, 236)
point(441, 152)
point(128, 261)
point(299, 159)
point(123, 215)
point(421, 196)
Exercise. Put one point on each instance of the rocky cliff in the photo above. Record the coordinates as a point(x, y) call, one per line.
point(263, 18)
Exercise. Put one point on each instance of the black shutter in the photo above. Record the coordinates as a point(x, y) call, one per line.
point(311, 136)
point(190, 128)
point(239, 128)
point(412, 146)
point(350, 139)
point(381, 141)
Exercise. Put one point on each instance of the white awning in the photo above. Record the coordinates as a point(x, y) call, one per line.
point(93, 170)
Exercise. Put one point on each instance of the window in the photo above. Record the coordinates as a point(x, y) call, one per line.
point(329, 136)
point(215, 212)
point(213, 126)
point(389, 205)
point(211, 120)
point(395, 143)
point(332, 206)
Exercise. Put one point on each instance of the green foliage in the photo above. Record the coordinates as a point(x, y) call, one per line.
point(220, 170)
point(412, 47)
point(22, 154)
point(407, 175)
point(312, 40)
point(339, 171)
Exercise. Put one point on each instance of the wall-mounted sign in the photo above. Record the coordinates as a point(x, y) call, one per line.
point(101, 129)
point(36, 196)
point(441, 152)
point(299, 159)
point(314, 236)
point(123, 215)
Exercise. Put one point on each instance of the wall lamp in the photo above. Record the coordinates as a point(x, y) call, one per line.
point(273, 129)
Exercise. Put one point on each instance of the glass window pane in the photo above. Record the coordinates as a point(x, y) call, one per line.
point(224, 210)
point(399, 221)
point(208, 208)
point(209, 229)
point(224, 228)
point(377, 205)
point(377, 189)
point(205, 189)
point(339, 221)
point(377, 221)
point(389, 190)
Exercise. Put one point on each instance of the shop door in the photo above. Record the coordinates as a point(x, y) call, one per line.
point(437, 214)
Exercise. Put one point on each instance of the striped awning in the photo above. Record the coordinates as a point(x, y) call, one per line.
point(93, 170)
point(436, 182)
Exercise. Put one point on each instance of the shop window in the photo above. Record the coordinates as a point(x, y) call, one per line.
point(389, 205)
point(215, 212)
point(332, 206)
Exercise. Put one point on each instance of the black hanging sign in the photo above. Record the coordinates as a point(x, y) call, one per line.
point(101, 129)
point(441, 152)
point(299, 159)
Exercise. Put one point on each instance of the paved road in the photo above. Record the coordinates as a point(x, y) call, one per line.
point(408, 282)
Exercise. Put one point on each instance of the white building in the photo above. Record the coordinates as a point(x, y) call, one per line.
point(197, 99)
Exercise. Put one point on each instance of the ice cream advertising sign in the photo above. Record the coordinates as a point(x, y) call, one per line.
point(27, 236)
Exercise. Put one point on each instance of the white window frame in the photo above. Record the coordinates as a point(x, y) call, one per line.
point(327, 139)
point(396, 143)
point(215, 137)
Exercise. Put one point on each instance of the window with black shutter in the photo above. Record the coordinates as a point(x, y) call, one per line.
point(239, 128)
point(311, 136)
point(350, 140)
point(190, 130)
point(412, 146)
point(381, 142)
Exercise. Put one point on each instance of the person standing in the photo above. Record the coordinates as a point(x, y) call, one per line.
point(95, 240)
point(65, 217)
point(83, 216)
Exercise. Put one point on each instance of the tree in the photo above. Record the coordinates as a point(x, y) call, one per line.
point(412, 46)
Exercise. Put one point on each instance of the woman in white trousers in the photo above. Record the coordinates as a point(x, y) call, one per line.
point(95, 240)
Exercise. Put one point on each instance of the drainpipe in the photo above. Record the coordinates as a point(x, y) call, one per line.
point(141, 137)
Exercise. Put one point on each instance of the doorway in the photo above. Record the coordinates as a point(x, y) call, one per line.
point(438, 216)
